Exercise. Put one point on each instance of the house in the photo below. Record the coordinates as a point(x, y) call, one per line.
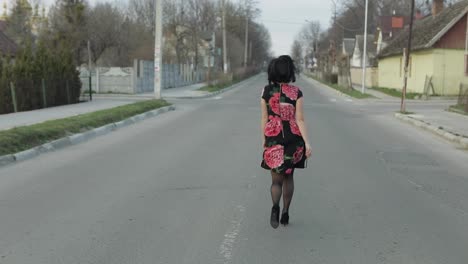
point(438, 52)
point(348, 46)
point(358, 53)
point(357, 61)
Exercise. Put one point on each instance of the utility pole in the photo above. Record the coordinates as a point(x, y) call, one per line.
point(89, 71)
point(250, 51)
point(335, 37)
point(407, 59)
point(158, 49)
point(225, 64)
point(246, 51)
point(364, 56)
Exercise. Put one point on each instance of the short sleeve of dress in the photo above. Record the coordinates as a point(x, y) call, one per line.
point(265, 93)
point(299, 94)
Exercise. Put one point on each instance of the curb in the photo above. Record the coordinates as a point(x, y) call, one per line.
point(460, 140)
point(457, 111)
point(215, 93)
point(79, 138)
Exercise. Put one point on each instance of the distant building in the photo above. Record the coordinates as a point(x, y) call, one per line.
point(358, 53)
point(438, 51)
point(348, 46)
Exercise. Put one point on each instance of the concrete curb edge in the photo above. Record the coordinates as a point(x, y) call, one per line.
point(462, 141)
point(217, 92)
point(80, 137)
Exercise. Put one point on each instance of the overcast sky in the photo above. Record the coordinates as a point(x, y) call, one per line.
point(283, 18)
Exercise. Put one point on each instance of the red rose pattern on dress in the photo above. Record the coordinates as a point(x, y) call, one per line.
point(274, 156)
point(288, 112)
point(273, 127)
point(297, 157)
point(291, 91)
point(274, 103)
point(289, 171)
point(295, 128)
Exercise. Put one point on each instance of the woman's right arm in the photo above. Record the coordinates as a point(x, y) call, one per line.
point(264, 118)
point(302, 125)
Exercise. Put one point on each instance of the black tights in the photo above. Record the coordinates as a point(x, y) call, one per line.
point(282, 184)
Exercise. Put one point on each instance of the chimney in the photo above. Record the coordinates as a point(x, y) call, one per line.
point(437, 7)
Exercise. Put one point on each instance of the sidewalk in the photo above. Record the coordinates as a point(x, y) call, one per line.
point(450, 126)
point(376, 94)
point(451, 122)
point(100, 102)
point(12, 120)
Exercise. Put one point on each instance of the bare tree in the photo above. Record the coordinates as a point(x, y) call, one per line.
point(104, 28)
point(296, 52)
point(310, 34)
point(143, 12)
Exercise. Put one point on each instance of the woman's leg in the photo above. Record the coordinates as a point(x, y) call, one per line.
point(276, 187)
point(288, 191)
point(276, 191)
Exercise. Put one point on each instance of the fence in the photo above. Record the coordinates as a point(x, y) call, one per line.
point(463, 97)
point(372, 76)
point(139, 78)
point(31, 94)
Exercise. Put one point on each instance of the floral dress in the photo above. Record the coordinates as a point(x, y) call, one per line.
point(284, 148)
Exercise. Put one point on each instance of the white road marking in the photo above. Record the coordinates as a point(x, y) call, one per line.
point(415, 184)
point(349, 100)
point(231, 236)
point(217, 98)
point(333, 100)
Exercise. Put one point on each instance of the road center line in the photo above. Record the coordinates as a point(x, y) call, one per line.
point(231, 236)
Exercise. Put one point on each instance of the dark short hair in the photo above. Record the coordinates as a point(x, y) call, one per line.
point(282, 70)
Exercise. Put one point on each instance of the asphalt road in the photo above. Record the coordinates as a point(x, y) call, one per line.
point(186, 188)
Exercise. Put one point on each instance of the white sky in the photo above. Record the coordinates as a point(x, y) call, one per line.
point(283, 18)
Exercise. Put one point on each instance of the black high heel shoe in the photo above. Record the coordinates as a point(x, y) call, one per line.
point(274, 218)
point(285, 219)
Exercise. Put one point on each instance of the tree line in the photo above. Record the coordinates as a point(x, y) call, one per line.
point(73, 32)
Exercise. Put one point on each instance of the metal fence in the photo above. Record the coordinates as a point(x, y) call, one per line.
point(30, 94)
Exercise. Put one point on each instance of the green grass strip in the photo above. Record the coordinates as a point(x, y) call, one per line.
point(351, 92)
point(22, 138)
point(396, 93)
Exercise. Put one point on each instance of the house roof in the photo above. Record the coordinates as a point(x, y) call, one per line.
point(348, 45)
point(427, 31)
point(7, 46)
point(371, 46)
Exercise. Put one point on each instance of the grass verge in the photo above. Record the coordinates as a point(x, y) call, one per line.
point(216, 87)
point(22, 138)
point(351, 92)
point(396, 93)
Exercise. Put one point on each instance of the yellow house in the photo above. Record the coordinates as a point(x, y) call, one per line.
point(439, 48)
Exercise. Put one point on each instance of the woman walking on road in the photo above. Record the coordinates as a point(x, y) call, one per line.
point(285, 140)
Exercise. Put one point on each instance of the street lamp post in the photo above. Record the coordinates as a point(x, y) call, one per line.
point(158, 49)
point(364, 57)
point(225, 64)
